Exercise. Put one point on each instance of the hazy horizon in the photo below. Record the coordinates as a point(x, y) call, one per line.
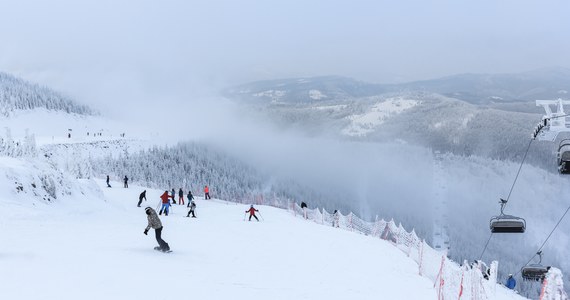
point(128, 52)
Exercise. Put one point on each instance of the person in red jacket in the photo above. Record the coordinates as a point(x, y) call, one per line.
point(207, 193)
point(252, 211)
point(165, 203)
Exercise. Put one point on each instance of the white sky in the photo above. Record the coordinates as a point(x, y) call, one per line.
point(90, 49)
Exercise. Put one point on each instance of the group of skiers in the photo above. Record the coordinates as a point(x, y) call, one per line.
point(155, 223)
point(165, 200)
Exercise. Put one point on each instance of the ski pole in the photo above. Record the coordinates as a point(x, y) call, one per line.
point(244, 214)
point(262, 219)
point(160, 201)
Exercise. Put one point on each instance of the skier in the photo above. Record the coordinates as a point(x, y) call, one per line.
point(165, 203)
point(108, 185)
point(207, 193)
point(192, 206)
point(304, 207)
point(180, 197)
point(173, 195)
point(511, 282)
point(154, 222)
point(252, 211)
point(190, 197)
point(126, 181)
point(141, 197)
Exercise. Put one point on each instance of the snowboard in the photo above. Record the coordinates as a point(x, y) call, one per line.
point(158, 249)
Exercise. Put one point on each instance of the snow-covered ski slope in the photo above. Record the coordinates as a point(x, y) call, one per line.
point(92, 246)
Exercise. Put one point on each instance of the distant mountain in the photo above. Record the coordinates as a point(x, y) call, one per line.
point(473, 88)
point(304, 90)
point(471, 114)
point(18, 94)
point(548, 83)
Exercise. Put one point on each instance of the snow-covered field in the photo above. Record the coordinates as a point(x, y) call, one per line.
point(365, 123)
point(82, 248)
point(93, 247)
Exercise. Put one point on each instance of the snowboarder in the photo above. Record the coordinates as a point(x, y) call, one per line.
point(511, 282)
point(173, 196)
point(108, 185)
point(190, 197)
point(192, 206)
point(304, 207)
point(206, 193)
point(126, 181)
point(165, 203)
point(141, 197)
point(252, 211)
point(154, 222)
point(180, 197)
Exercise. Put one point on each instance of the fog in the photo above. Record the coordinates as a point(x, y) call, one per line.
point(109, 51)
point(160, 64)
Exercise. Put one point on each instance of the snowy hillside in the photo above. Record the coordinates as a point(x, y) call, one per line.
point(17, 94)
point(93, 247)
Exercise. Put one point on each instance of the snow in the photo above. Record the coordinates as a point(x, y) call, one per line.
point(366, 123)
point(274, 95)
point(89, 248)
point(316, 95)
point(90, 245)
point(335, 108)
point(53, 126)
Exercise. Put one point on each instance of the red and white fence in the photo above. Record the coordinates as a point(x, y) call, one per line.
point(475, 281)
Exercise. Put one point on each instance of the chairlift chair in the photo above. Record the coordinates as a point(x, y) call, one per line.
point(564, 157)
point(507, 223)
point(535, 272)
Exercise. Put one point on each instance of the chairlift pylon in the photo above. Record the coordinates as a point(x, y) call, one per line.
point(506, 223)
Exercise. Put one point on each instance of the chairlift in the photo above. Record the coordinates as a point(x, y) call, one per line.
point(564, 157)
point(535, 272)
point(506, 223)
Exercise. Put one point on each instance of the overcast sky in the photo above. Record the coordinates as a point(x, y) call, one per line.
point(88, 48)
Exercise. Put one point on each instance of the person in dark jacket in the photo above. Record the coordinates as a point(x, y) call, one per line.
point(126, 181)
point(304, 207)
point(181, 197)
point(252, 211)
point(336, 218)
point(190, 197)
point(511, 282)
point(154, 222)
point(192, 206)
point(173, 195)
point(165, 203)
point(108, 185)
point(141, 197)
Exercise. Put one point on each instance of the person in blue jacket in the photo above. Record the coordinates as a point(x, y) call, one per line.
point(511, 282)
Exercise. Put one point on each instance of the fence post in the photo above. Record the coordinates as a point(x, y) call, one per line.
point(544, 283)
point(421, 254)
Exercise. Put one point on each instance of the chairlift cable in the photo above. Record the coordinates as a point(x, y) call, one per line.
point(547, 238)
point(519, 171)
point(486, 244)
point(510, 192)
